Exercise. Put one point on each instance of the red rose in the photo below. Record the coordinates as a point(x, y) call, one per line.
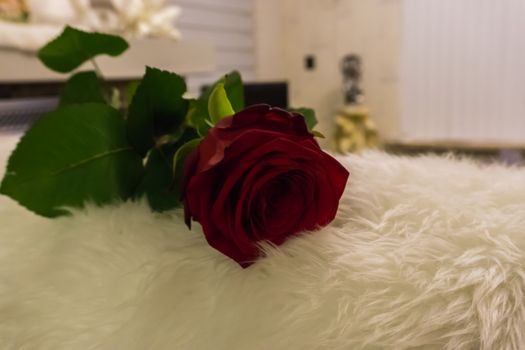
point(260, 175)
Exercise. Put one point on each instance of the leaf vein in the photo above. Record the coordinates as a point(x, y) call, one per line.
point(90, 159)
point(74, 165)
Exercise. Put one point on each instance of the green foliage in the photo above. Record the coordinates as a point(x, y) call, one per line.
point(219, 105)
point(155, 184)
point(74, 47)
point(131, 89)
point(115, 98)
point(157, 108)
point(82, 87)
point(86, 151)
point(234, 90)
point(75, 154)
point(198, 114)
point(158, 184)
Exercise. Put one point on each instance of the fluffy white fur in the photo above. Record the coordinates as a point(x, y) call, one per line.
point(425, 253)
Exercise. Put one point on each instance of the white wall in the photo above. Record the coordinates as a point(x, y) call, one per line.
point(269, 40)
point(464, 70)
point(287, 30)
point(229, 26)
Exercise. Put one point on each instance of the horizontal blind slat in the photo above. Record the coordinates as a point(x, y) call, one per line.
point(228, 26)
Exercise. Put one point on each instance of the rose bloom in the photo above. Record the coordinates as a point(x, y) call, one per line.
point(259, 175)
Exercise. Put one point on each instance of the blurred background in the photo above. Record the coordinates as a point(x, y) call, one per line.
point(409, 76)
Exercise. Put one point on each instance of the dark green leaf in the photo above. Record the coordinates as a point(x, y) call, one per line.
point(75, 154)
point(308, 114)
point(219, 106)
point(82, 87)
point(157, 108)
point(74, 47)
point(157, 180)
point(131, 89)
point(158, 185)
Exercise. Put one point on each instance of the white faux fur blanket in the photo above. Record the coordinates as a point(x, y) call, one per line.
point(425, 253)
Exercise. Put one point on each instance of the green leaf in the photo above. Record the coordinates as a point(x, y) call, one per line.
point(158, 184)
point(234, 90)
point(75, 154)
point(157, 108)
point(83, 87)
point(219, 106)
point(115, 100)
point(74, 47)
point(308, 114)
point(131, 89)
point(157, 180)
point(198, 116)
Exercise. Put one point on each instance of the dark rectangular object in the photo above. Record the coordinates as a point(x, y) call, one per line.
point(274, 93)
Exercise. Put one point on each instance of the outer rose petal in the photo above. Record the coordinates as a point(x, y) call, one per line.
point(254, 118)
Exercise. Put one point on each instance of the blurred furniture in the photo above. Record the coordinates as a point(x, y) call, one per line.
point(28, 89)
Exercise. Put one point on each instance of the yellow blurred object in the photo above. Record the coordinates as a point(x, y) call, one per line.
point(13, 10)
point(355, 130)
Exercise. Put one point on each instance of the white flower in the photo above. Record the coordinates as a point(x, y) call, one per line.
point(147, 18)
point(46, 21)
point(135, 18)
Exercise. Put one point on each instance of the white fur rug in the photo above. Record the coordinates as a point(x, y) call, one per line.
point(425, 253)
